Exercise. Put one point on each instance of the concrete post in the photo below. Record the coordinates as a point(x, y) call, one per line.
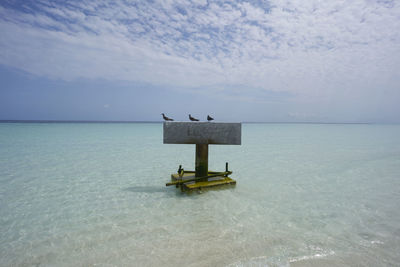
point(201, 160)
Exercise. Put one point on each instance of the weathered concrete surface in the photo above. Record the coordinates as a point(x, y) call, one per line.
point(202, 133)
point(201, 162)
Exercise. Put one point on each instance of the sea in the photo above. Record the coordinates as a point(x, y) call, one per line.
point(94, 194)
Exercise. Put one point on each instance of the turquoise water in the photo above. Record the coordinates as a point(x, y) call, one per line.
point(85, 194)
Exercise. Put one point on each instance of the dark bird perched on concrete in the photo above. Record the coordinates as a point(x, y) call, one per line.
point(209, 118)
point(166, 118)
point(192, 119)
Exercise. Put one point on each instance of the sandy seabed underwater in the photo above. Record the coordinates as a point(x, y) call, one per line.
point(85, 194)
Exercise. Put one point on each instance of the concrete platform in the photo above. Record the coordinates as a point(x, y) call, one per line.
point(206, 133)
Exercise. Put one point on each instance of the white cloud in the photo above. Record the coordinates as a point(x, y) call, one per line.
point(316, 49)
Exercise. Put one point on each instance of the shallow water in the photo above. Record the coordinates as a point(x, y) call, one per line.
point(83, 194)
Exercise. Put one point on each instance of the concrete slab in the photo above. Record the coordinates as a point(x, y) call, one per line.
point(217, 133)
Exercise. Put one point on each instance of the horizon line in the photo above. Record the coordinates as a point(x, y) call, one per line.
point(159, 121)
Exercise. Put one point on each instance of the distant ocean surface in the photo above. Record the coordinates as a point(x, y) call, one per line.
point(86, 194)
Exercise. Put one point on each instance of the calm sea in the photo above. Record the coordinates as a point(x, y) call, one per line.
point(85, 194)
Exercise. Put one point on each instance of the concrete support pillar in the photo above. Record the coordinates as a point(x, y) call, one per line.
point(201, 160)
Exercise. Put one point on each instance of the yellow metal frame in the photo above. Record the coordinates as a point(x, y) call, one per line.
point(217, 179)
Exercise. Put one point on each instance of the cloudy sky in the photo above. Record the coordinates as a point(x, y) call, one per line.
point(274, 61)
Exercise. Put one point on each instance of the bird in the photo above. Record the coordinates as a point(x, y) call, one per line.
point(166, 118)
point(192, 119)
point(209, 118)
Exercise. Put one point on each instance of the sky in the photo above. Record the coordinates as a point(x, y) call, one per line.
point(260, 61)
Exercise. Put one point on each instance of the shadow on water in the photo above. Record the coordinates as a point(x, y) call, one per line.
point(168, 192)
point(173, 191)
point(147, 189)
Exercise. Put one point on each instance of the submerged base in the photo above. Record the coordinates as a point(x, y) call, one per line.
point(199, 185)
